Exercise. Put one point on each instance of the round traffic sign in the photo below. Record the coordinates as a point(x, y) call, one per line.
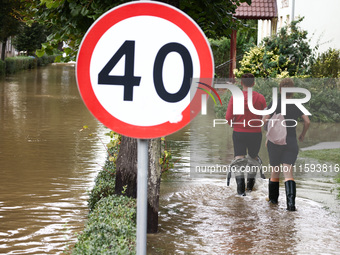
point(136, 68)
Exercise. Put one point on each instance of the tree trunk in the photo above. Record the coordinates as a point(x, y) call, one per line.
point(3, 49)
point(126, 167)
point(154, 183)
point(126, 175)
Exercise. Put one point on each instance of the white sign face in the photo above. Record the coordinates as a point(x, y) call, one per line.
point(146, 108)
point(135, 68)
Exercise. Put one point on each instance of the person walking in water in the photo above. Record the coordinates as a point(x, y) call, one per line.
point(246, 138)
point(285, 155)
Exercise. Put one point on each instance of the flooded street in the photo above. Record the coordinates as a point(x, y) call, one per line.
point(200, 214)
point(47, 166)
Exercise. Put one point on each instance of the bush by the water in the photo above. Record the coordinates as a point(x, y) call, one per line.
point(104, 184)
point(111, 228)
point(45, 60)
point(15, 64)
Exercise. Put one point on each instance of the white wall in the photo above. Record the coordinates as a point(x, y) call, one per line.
point(322, 20)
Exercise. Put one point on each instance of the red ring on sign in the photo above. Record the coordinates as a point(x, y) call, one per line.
point(97, 30)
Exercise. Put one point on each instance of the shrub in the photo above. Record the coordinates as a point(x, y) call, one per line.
point(111, 228)
point(327, 65)
point(221, 52)
point(2, 68)
point(45, 60)
point(324, 104)
point(262, 63)
point(287, 54)
point(15, 64)
point(246, 37)
point(104, 184)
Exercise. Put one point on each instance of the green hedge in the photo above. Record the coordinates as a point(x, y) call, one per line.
point(2, 68)
point(104, 184)
point(45, 60)
point(111, 228)
point(111, 225)
point(16, 64)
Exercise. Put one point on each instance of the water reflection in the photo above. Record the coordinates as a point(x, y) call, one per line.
point(47, 165)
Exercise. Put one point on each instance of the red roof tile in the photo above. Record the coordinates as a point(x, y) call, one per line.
point(259, 9)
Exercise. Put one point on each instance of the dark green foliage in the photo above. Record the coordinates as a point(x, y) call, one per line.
point(106, 178)
point(9, 21)
point(104, 184)
point(2, 68)
point(287, 53)
point(71, 19)
point(324, 104)
point(30, 38)
point(291, 44)
point(325, 101)
point(45, 60)
point(16, 64)
point(214, 17)
point(111, 228)
point(246, 38)
point(327, 65)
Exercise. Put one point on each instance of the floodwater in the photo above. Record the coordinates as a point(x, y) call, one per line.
point(200, 214)
point(48, 164)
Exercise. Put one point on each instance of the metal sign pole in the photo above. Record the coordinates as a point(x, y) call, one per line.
point(142, 194)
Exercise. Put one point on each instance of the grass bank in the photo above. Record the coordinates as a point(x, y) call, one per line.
point(326, 155)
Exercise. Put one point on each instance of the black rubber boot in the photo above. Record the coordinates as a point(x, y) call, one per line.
point(250, 182)
point(290, 195)
point(273, 188)
point(241, 186)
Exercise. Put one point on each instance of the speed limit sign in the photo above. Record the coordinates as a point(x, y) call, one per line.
point(136, 66)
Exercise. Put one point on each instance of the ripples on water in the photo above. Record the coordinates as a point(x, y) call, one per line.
point(205, 216)
point(47, 165)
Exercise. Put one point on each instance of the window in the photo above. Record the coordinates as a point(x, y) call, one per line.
point(285, 3)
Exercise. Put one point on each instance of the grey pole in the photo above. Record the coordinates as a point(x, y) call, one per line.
point(142, 194)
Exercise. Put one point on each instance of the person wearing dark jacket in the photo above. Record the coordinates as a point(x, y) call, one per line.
point(285, 155)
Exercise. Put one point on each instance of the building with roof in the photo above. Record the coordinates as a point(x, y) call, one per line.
point(321, 20)
point(262, 10)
